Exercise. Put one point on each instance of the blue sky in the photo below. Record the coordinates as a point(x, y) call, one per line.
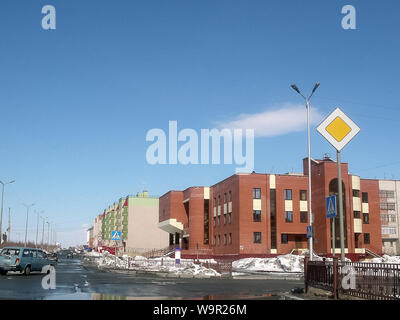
point(76, 102)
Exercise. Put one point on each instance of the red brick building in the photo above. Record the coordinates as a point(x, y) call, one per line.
point(267, 214)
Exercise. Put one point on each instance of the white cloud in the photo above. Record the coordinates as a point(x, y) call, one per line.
point(278, 120)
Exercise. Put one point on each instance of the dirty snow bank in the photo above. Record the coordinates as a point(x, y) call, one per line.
point(140, 263)
point(386, 259)
point(288, 263)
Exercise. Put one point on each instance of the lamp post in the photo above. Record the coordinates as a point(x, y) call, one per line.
point(307, 100)
point(48, 233)
point(37, 227)
point(43, 231)
point(2, 202)
point(26, 225)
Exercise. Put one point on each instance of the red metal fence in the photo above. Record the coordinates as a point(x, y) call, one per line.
point(363, 280)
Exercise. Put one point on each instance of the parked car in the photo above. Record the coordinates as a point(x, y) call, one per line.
point(23, 260)
point(53, 257)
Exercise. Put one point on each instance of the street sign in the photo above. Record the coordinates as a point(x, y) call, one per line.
point(309, 232)
point(338, 129)
point(331, 211)
point(116, 235)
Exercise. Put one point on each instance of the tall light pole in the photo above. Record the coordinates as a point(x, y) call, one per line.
point(26, 225)
point(37, 226)
point(307, 100)
point(48, 233)
point(2, 203)
point(43, 230)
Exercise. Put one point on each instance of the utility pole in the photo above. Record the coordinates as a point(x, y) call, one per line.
point(310, 217)
point(2, 203)
point(9, 225)
point(26, 225)
point(43, 231)
point(48, 233)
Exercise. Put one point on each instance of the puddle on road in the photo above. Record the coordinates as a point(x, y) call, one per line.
point(101, 296)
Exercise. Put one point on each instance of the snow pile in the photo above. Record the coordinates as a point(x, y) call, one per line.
point(140, 263)
point(288, 263)
point(386, 259)
point(93, 254)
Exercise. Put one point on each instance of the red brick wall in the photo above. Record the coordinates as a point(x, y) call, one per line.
point(374, 226)
point(243, 226)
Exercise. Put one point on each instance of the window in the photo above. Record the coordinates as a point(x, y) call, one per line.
point(288, 216)
point(230, 196)
point(215, 221)
point(388, 230)
point(256, 193)
point(224, 218)
point(257, 215)
point(219, 220)
point(215, 202)
point(303, 195)
point(230, 217)
point(257, 237)
point(365, 218)
point(365, 197)
point(284, 238)
point(387, 206)
point(386, 194)
point(225, 198)
point(366, 238)
point(356, 193)
point(357, 214)
point(225, 239)
point(303, 216)
point(230, 238)
point(40, 254)
point(288, 194)
point(219, 240)
point(215, 240)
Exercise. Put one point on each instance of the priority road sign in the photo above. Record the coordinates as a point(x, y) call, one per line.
point(116, 235)
point(331, 211)
point(338, 129)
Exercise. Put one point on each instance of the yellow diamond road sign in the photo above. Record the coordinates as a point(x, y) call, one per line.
point(338, 129)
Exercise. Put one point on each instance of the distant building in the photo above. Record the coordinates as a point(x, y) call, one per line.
point(136, 218)
point(266, 214)
point(389, 194)
point(89, 237)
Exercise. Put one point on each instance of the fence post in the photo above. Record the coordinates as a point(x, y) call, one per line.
point(335, 278)
point(305, 274)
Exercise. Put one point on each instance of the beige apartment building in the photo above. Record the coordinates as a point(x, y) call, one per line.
point(389, 194)
point(136, 218)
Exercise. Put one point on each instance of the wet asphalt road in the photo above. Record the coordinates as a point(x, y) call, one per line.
point(77, 282)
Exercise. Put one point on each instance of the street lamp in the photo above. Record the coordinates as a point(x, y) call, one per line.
point(307, 100)
point(37, 227)
point(2, 202)
point(26, 225)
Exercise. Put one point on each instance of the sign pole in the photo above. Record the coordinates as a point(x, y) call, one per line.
point(333, 237)
point(340, 199)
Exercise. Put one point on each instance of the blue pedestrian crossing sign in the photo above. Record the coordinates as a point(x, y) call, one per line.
point(309, 232)
point(116, 235)
point(331, 211)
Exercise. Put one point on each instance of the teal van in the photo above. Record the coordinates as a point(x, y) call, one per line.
point(23, 260)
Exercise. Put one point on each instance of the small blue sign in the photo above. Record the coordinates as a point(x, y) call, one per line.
point(331, 211)
point(309, 232)
point(116, 235)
